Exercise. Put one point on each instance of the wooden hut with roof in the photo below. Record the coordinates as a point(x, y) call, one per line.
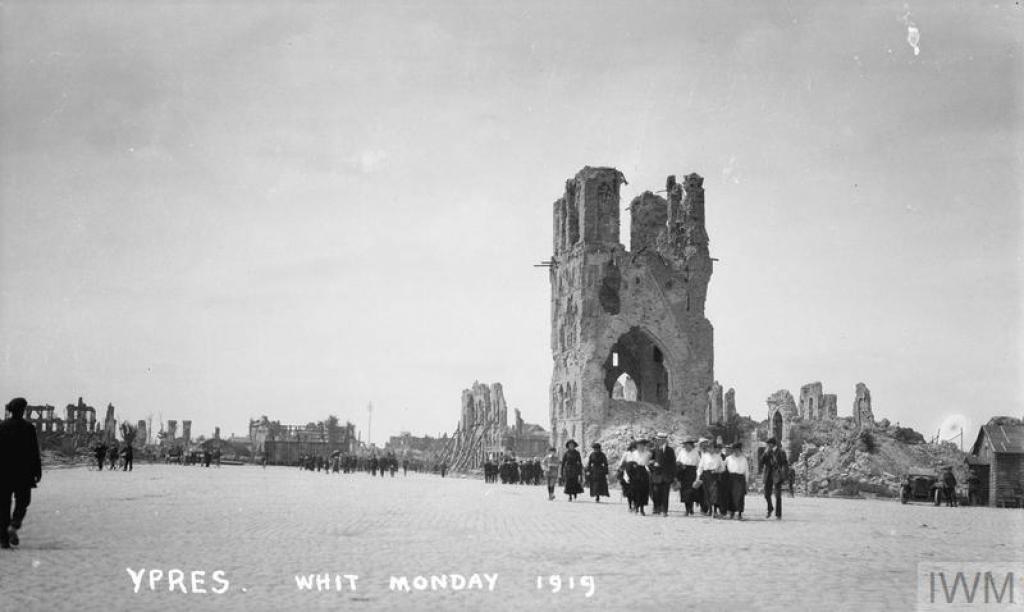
point(997, 458)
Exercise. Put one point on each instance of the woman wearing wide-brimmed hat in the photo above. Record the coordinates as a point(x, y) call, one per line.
point(638, 477)
point(572, 470)
point(597, 473)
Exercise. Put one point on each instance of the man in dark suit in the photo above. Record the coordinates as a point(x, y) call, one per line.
point(663, 472)
point(20, 470)
point(776, 470)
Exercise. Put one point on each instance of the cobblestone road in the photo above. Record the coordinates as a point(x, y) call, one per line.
point(261, 528)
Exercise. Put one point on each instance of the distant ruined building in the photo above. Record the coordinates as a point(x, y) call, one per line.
point(720, 408)
point(862, 413)
point(285, 444)
point(815, 405)
point(781, 412)
point(483, 430)
point(483, 421)
point(628, 326)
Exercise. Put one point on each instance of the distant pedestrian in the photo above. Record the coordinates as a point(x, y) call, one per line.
point(112, 454)
point(552, 464)
point(572, 470)
point(128, 457)
point(597, 473)
point(949, 486)
point(776, 469)
point(20, 470)
point(100, 452)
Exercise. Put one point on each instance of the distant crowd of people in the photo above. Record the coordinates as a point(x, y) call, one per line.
point(511, 470)
point(373, 464)
point(116, 456)
point(710, 477)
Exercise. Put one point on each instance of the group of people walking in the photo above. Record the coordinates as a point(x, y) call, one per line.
point(114, 455)
point(568, 471)
point(513, 471)
point(710, 477)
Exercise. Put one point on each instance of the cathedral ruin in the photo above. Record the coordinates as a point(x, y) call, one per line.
point(628, 326)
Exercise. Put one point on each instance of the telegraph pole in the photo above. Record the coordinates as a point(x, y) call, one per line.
point(369, 423)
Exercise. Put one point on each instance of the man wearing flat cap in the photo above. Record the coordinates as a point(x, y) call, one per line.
point(663, 472)
point(20, 470)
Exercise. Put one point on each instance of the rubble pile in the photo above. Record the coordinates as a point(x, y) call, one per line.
point(840, 459)
point(628, 421)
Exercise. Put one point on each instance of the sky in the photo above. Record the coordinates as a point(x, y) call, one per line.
point(216, 211)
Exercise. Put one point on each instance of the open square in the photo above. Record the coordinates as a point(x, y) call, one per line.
point(264, 527)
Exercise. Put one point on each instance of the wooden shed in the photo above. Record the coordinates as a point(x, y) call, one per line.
point(998, 459)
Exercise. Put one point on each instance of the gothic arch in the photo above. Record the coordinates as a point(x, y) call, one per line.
point(638, 354)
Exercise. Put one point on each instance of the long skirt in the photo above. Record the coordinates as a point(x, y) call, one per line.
point(572, 485)
point(737, 492)
point(712, 493)
point(725, 493)
point(639, 485)
point(598, 485)
point(687, 475)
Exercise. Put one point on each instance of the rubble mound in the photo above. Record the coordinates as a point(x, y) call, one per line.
point(841, 459)
point(628, 421)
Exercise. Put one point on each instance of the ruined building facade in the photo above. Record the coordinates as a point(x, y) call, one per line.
point(863, 415)
point(483, 422)
point(483, 430)
point(720, 408)
point(628, 319)
point(816, 405)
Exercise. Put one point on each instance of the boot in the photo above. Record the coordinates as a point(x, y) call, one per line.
point(12, 535)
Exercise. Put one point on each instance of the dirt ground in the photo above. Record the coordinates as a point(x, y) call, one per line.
point(88, 533)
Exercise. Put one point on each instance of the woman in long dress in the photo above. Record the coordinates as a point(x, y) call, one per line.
point(638, 477)
point(597, 473)
point(572, 470)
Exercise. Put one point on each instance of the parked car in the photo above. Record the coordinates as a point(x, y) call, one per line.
point(921, 487)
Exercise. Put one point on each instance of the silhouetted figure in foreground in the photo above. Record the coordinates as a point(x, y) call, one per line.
point(20, 470)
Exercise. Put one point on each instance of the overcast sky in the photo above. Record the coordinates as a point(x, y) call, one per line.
point(293, 209)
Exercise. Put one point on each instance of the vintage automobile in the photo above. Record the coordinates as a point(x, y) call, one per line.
point(922, 487)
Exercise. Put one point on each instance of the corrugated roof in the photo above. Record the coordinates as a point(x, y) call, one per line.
point(1005, 438)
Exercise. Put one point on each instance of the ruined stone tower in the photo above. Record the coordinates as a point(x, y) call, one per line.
point(633, 317)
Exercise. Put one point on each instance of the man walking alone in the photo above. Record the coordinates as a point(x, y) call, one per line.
point(776, 470)
point(20, 470)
